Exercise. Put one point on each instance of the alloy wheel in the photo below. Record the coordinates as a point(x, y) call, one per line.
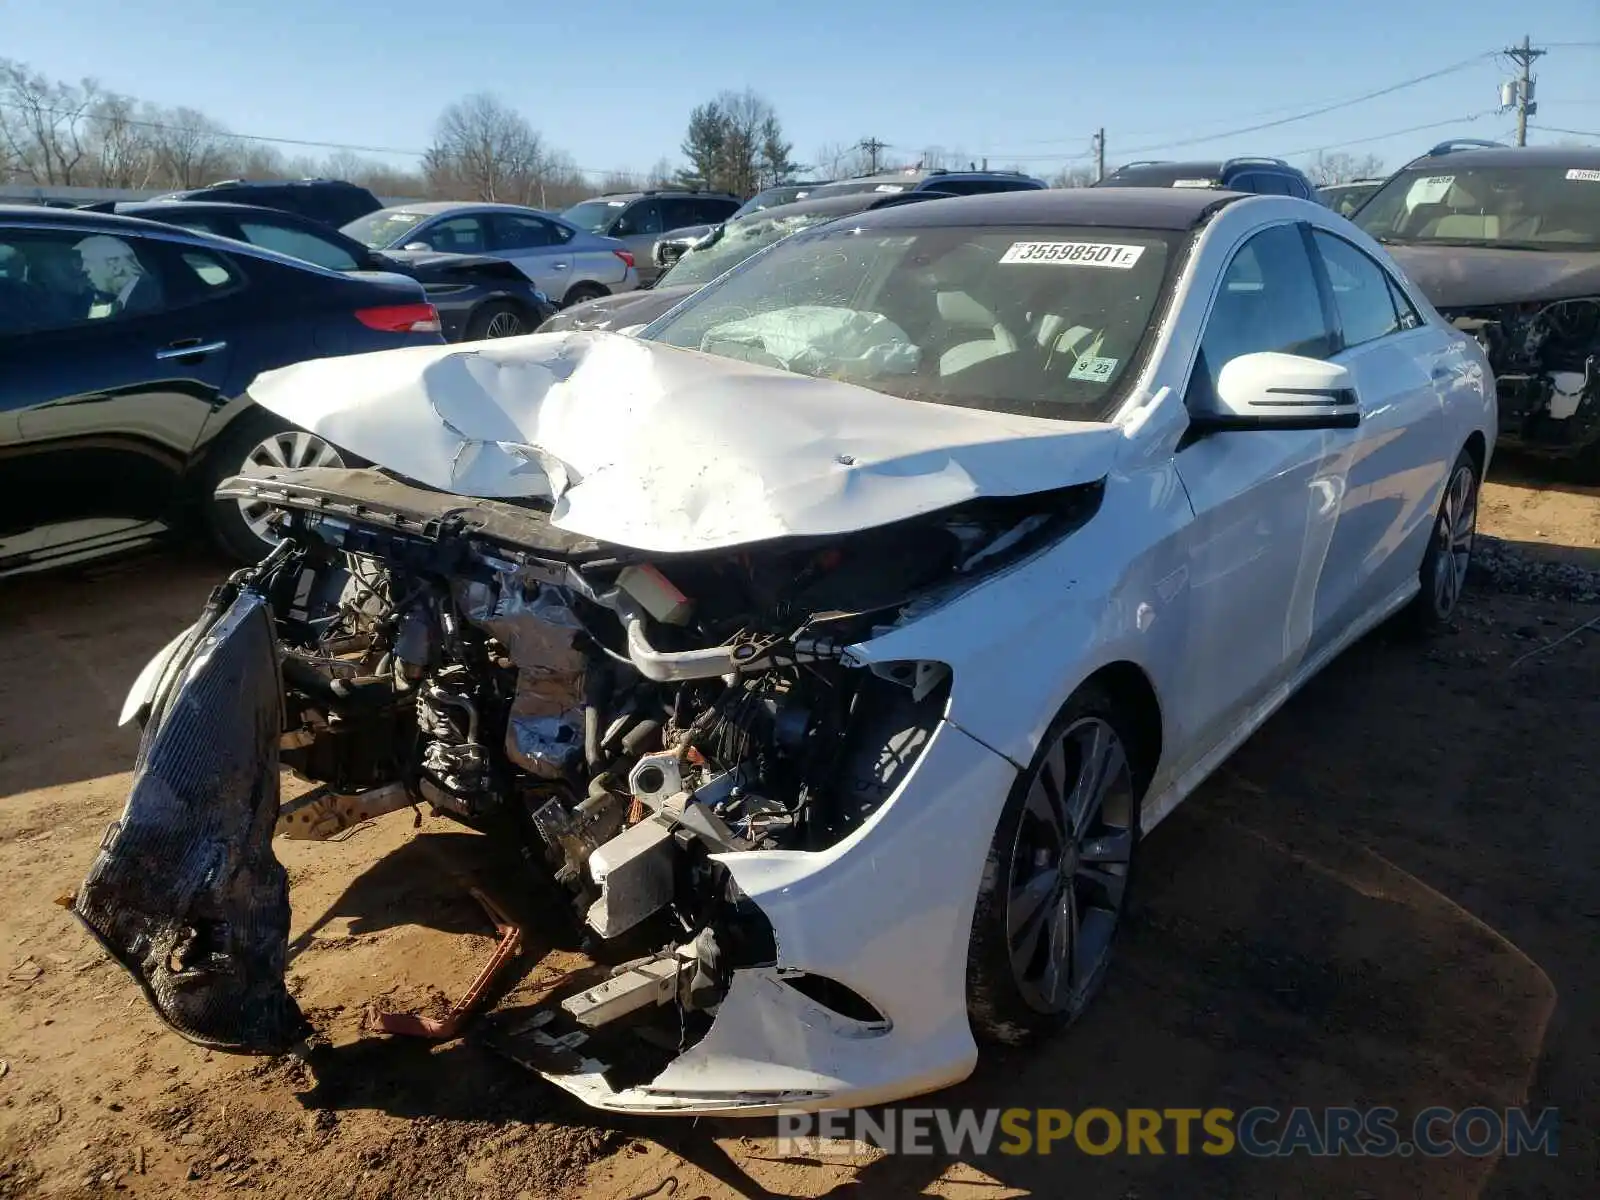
point(1069, 867)
point(290, 448)
point(503, 324)
point(1453, 537)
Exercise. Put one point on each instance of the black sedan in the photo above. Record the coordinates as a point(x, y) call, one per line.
point(477, 296)
point(126, 348)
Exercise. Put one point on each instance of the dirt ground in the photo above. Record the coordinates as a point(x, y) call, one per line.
point(1388, 896)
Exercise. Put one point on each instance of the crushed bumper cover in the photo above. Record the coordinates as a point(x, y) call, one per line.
point(185, 892)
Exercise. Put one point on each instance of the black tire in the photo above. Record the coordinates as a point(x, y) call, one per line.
point(497, 319)
point(233, 454)
point(1443, 573)
point(579, 292)
point(1010, 999)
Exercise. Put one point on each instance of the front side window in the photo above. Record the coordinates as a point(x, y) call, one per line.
point(641, 218)
point(1361, 291)
point(454, 235)
point(54, 280)
point(1042, 321)
point(1268, 301)
point(1512, 208)
point(297, 243)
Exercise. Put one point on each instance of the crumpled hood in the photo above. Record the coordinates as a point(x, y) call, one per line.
point(667, 450)
point(1455, 277)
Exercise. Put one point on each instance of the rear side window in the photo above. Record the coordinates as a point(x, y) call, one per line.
point(57, 280)
point(508, 232)
point(206, 273)
point(298, 244)
point(1361, 292)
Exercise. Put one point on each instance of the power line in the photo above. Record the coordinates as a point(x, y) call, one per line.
point(1378, 137)
point(1573, 132)
point(1328, 106)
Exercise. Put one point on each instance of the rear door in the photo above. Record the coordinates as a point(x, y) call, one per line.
point(111, 371)
point(540, 249)
point(1394, 482)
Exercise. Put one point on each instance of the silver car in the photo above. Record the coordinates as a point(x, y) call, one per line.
point(568, 264)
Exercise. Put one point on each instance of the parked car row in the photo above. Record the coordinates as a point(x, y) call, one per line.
point(128, 339)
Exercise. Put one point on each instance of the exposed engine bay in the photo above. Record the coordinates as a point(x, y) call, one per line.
point(1546, 361)
point(629, 719)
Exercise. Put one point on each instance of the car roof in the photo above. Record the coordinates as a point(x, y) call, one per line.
point(629, 197)
point(40, 216)
point(134, 208)
point(1129, 208)
point(434, 207)
point(1516, 156)
point(838, 206)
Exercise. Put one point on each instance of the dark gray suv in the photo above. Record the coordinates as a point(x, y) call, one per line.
point(639, 219)
point(1265, 176)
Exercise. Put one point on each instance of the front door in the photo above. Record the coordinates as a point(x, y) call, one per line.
point(1266, 502)
point(112, 360)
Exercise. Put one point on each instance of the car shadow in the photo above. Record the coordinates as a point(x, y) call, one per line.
point(1273, 961)
point(73, 642)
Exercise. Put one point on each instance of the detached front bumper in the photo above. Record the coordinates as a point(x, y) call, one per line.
point(185, 892)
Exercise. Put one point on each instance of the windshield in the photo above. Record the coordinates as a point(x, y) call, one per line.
point(1163, 175)
point(384, 228)
point(595, 216)
point(737, 242)
point(1038, 321)
point(888, 188)
point(1515, 208)
point(772, 197)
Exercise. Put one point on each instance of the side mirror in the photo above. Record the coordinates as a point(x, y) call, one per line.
point(667, 253)
point(1282, 391)
point(416, 246)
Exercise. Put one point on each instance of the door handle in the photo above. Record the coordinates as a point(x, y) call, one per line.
point(560, 266)
point(190, 348)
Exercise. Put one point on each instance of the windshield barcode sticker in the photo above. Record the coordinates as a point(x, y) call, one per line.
point(1586, 176)
point(1074, 254)
point(1193, 183)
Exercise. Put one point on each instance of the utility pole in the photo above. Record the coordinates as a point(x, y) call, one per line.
point(874, 148)
point(1524, 56)
point(1099, 141)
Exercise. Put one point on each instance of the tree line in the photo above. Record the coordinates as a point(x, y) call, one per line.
point(81, 134)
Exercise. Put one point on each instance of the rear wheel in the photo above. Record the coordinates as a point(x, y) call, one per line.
point(579, 292)
point(1443, 574)
point(255, 441)
point(497, 319)
point(1056, 880)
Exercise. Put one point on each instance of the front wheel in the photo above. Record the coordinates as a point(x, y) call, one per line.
point(1443, 574)
point(256, 441)
point(1056, 880)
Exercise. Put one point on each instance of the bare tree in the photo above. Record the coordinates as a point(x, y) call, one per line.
point(1072, 177)
point(661, 174)
point(44, 125)
point(841, 160)
point(620, 181)
point(191, 150)
point(120, 144)
point(486, 150)
point(1341, 167)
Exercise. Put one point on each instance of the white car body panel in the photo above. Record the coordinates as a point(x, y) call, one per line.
point(652, 447)
point(1225, 571)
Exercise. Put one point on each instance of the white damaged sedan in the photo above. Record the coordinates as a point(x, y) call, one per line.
point(830, 647)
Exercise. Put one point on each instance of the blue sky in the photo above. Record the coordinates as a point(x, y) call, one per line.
point(1017, 80)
